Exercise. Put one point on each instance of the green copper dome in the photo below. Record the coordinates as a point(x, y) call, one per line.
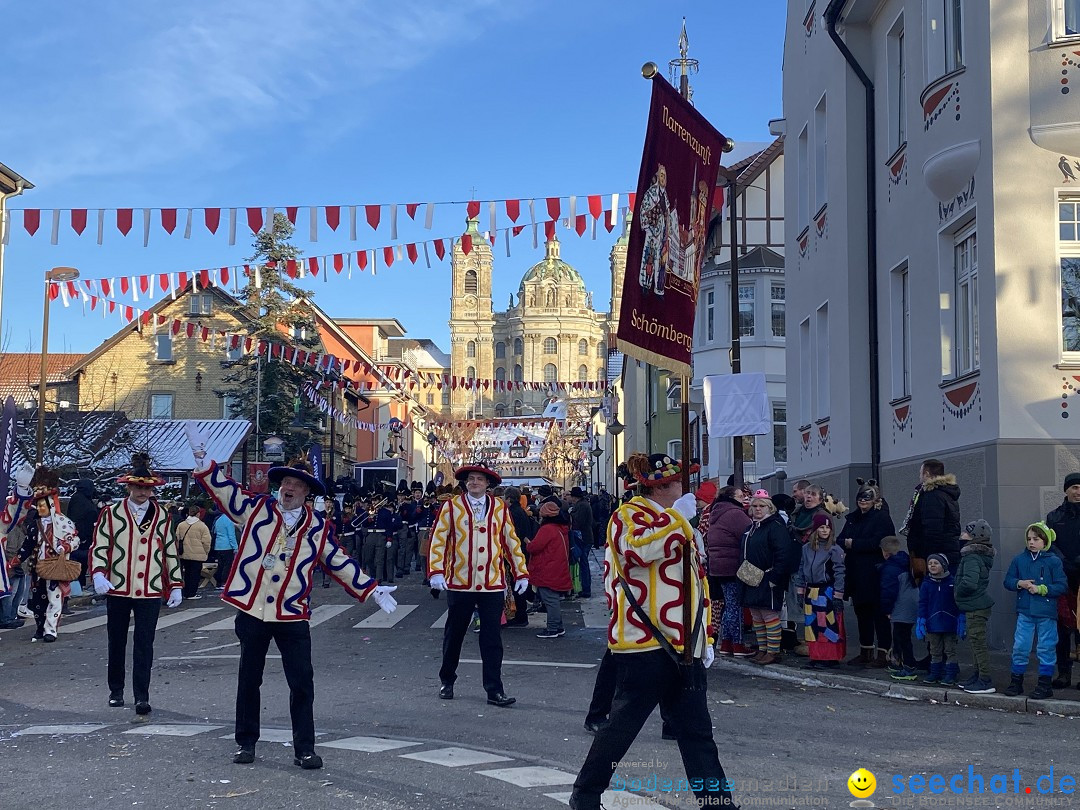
point(554, 268)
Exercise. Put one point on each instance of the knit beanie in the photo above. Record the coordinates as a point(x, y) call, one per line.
point(1070, 479)
point(1044, 530)
point(819, 520)
point(941, 558)
point(549, 510)
point(979, 531)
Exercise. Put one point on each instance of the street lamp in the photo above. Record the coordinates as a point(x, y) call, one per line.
point(615, 427)
point(596, 452)
point(432, 440)
point(57, 275)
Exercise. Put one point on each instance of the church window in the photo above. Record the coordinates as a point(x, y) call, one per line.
point(471, 373)
point(583, 374)
point(500, 374)
point(583, 348)
point(551, 346)
point(500, 350)
point(601, 374)
point(519, 374)
point(551, 374)
point(519, 347)
point(601, 351)
point(517, 407)
point(470, 349)
point(470, 282)
point(500, 409)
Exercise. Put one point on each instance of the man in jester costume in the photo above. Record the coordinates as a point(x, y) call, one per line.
point(134, 562)
point(282, 541)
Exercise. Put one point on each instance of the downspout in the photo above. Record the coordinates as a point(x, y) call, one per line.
point(832, 15)
point(5, 226)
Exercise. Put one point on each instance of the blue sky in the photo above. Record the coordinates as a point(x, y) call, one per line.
point(268, 102)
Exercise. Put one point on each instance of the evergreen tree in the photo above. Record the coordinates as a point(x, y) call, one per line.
point(268, 392)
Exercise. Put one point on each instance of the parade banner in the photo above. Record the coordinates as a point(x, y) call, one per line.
point(7, 445)
point(675, 193)
point(258, 482)
point(314, 458)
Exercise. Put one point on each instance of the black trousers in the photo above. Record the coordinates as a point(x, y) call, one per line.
point(192, 576)
point(604, 693)
point(293, 641)
point(224, 566)
point(901, 632)
point(460, 606)
point(872, 621)
point(119, 610)
point(642, 681)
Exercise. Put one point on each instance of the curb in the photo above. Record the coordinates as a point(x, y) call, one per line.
point(902, 690)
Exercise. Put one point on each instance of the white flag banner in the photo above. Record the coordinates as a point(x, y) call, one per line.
point(737, 405)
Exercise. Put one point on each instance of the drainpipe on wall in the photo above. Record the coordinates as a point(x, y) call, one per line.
point(832, 15)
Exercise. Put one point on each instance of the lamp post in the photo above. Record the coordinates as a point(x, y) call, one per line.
point(596, 452)
point(57, 275)
point(615, 427)
point(432, 440)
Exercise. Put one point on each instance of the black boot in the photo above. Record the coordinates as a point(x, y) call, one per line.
point(1044, 689)
point(1016, 686)
point(1064, 678)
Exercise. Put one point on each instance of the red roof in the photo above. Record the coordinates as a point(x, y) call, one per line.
point(19, 372)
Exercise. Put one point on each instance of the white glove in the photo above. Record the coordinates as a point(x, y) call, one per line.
point(175, 598)
point(709, 656)
point(101, 584)
point(521, 585)
point(389, 543)
point(686, 505)
point(197, 442)
point(23, 475)
point(437, 582)
point(383, 598)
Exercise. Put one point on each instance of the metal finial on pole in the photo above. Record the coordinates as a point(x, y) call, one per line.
point(682, 68)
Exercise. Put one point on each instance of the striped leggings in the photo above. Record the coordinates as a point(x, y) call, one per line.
point(731, 620)
point(767, 629)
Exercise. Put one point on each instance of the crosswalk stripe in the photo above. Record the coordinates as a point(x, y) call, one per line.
point(167, 621)
point(530, 776)
point(454, 757)
point(172, 729)
point(369, 745)
point(85, 624)
point(73, 728)
point(224, 624)
point(381, 619)
point(614, 798)
point(326, 612)
point(440, 622)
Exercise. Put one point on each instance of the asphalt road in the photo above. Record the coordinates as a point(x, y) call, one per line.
point(376, 688)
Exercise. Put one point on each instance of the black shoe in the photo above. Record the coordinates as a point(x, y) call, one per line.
point(142, 707)
point(594, 728)
point(116, 699)
point(245, 756)
point(446, 691)
point(309, 762)
point(49, 638)
point(15, 624)
point(501, 700)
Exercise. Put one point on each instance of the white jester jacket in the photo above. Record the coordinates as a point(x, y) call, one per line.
point(274, 565)
point(138, 558)
point(470, 553)
point(647, 545)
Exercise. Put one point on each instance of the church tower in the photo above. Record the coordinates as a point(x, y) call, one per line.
point(471, 323)
point(617, 259)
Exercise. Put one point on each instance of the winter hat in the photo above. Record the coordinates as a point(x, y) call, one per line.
point(1044, 530)
point(820, 519)
point(979, 531)
point(706, 492)
point(941, 558)
point(1070, 479)
point(549, 510)
point(762, 493)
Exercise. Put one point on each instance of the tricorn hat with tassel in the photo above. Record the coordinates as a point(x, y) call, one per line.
point(140, 474)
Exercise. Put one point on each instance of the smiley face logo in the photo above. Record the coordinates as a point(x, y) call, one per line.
point(862, 784)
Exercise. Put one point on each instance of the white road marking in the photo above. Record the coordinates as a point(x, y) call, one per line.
point(531, 776)
point(440, 622)
point(381, 620)
point(85, 624)
point(455, 757)
point(224, 624)
point(273, 735)
point(192, 657)
point(594, 612)
point(74, 728)
point(507, 662)
point(181, 616)
point(172, 730)
point(370, 745)
point(218, 647)
point(615, 798)
point(325, 612)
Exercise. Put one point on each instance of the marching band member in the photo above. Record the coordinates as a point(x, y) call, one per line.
point(472, 537)
point(282, 540)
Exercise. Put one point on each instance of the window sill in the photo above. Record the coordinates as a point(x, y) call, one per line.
point(1063, 41)
point(1068, 365)
point(803, 428)
point(937, 83)
point(895, 155)
point(820, 211)
point(900, 400)
point(963, 378)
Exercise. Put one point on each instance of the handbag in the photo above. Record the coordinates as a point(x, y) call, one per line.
point(58, 569)
point(750, 574)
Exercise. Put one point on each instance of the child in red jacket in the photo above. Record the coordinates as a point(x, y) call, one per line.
point(549, 565)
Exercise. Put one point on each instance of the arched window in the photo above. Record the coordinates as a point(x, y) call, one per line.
point(500, 409)
point(601, 374)
point(551, 346)
point(500, 350)
point(583, 373)
point(583, 347)
point(601, 351)
point(519, 374)
point(517, 407)
point(470, 282)
point(519, 347)
point(470, 349)
point(551, 373)
point(500, 374)
point(471, 373)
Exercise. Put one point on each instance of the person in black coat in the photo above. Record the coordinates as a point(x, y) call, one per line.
point(83, 512)
point(525, 528)
point(581, 536)
point(768, 546)
point(932, 525)
point(864, 528)
point(1065, 520)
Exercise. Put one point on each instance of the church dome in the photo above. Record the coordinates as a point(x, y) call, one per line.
point(554, 268)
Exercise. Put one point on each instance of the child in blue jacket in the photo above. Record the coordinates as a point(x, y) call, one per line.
point(940, 621)
point(1038, 578)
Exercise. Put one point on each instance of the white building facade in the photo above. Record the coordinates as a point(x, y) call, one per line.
point(964, 222)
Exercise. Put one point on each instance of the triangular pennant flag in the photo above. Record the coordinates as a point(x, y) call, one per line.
point(410, 209)
point(290, 212)
point(411, 250)
point(106, 286)
point(513, 209)
point(224, 275)
point(581, 224)
point(313, 265)
point(596, 206)
point(211, 217)
point(553, 207)
point(124, 285)
point(631, 197)
point(388, 256)
point(255, 219)
point(32, 220)
point(291, 268)
point(466, 244)
point(163, 280)
point(549, 230)
point(168, 219)
point(78, 220)
point(339, 262)
point(333, 216)
point(473, 209)
point(373, 213)
point(440, 249)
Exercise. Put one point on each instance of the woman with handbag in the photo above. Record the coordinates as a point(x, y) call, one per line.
point(764, 572)
point(50, 537)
